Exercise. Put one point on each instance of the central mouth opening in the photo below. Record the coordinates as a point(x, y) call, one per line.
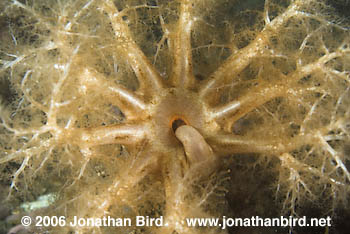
point(177, 122)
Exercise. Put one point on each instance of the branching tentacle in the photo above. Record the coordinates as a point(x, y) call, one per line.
point(225, 144)
point(182, 68)
point(147, 75)
point(133, 172)
point(232, 66)
point(130, 103)
point(237, 109)
point(118, 134)
point(237, 62)
point(265, 92)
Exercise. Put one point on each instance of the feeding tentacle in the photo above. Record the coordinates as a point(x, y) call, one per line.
point(147, 75)
point(130, 103)
point(182, 71)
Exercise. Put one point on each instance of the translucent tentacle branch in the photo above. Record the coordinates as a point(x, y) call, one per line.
point(118, 134)
point(298, 182)
point(145, 72)
point(289, 161)
point(87, 156)
point(86, 152)
point(77, 15)
point(236, 109)
point(28, 96)
point(182, 69)
point(225, 110)
point(18, 173)
point(232, 66)
point(133, 172)
point(11, 155)
point(237, 62)
point(296, 185)
point(10, 64)
point(57, 89)
point(130, 103)
point(42, 19)
point(265, 92)
point(224, 144)
point(266, 12)
point(336, 156)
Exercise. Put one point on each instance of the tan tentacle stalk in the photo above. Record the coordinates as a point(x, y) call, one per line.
point(118, 134)
point(182, 75)
point(130, 103)
point(145, 72)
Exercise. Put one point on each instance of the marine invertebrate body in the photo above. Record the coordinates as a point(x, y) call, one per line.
point(130, 108)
